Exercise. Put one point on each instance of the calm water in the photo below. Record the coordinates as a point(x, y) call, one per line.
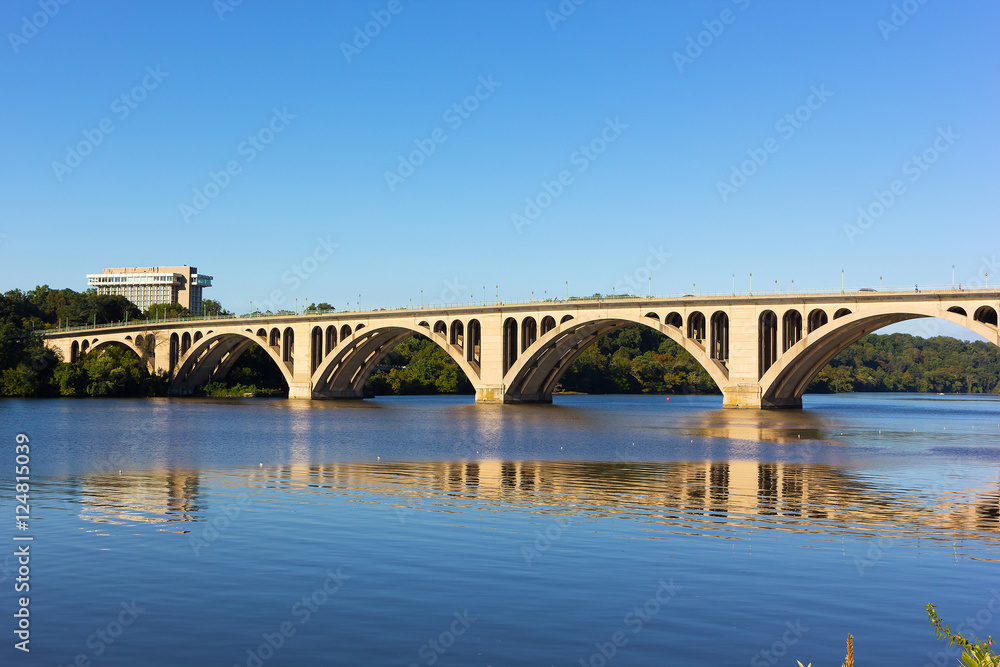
point(432, 531)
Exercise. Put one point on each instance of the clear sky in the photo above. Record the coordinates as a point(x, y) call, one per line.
point(259, 138)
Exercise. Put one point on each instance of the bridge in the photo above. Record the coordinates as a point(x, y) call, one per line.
point(761, 350)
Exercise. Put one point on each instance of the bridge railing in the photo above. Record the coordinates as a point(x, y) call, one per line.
point(599, 298)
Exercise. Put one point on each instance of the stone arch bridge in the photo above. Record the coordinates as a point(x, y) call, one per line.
point(762, 351)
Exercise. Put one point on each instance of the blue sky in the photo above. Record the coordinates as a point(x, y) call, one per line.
point(652, 112)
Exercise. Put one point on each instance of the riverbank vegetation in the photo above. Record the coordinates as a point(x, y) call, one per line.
point(634, 359)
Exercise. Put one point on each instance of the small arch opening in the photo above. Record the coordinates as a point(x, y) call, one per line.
point(791, 326)
point(529, 332)
point(767, 340)
point(331, 338)
point(817, 318)
point(456, 333)
point(986, 315)
point(548, 324)
point(473, 350)
point(696, 326)
point(288, 345)
point(509, 343)
point(674, 320)
point(841, 313)
point(719, 348)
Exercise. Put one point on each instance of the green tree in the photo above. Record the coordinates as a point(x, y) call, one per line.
point(159, 311)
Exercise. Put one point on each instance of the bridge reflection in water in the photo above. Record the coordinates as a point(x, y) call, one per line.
point(724, 499)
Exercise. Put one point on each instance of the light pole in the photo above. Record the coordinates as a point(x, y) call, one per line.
point(775, 286)
point(793, 287)
point(567, 290)
point(952, 276)
point(751, 285)
point(880, 283)
point(649, 292)
point(484, 295)
point(841, 281)
point(421, 298)
point(734, 284)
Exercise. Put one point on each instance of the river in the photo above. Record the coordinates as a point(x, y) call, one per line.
point(600, 530)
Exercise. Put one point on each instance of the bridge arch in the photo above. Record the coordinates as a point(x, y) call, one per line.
point(344, 372)
point(818, 318)
point(696, 326)
point(122, 344)
point(214, 355)
point(529, 332)
point(786, 380)
point(456, 333)
point(986, 315)
point(534, 376)
point(474, 347)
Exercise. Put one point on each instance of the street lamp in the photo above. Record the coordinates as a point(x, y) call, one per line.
point(841, 281)
point(734, 284)
point(751, 285)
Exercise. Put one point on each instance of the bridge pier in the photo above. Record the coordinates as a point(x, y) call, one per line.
point(489, 394)
point(302, 390)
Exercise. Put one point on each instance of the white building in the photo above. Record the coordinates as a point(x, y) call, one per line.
point(145, 286)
